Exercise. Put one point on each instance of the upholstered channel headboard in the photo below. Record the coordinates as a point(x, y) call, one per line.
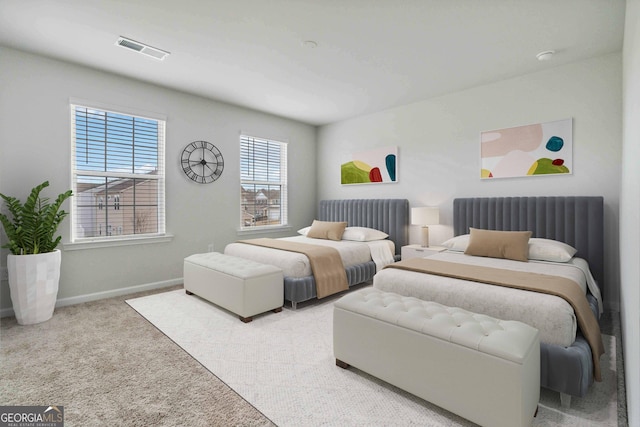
point(577, 221)
point(388, 215)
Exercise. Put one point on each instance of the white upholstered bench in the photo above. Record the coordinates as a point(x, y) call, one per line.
point(241, 286)
point(483, 369)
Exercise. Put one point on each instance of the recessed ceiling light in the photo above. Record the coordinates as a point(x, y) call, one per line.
point(546, 55)
point(310, 44)
point(142, 48)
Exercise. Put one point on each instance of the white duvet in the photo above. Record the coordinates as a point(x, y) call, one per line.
point(295, 264)
point(551, 315)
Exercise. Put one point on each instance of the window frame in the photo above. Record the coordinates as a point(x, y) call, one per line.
point(160, 235)
point(282, 182)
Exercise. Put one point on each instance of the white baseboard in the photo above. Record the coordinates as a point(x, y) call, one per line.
point(8, 312)
point(63, 302)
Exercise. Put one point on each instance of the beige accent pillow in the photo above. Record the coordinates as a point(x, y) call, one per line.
point(327, 230)
point(499, 244)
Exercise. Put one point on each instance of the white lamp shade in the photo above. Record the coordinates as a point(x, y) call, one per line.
point(425, 216)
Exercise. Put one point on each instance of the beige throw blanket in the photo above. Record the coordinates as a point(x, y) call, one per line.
point(553, 285)
point(326, 264)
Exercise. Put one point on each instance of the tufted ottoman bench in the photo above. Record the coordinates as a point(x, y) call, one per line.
point(481, 368)
point(242, 286)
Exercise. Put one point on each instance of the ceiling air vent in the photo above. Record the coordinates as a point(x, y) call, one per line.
point(142, 48)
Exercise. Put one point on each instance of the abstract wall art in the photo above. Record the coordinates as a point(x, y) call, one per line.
point(531, 150)
point(375, 166)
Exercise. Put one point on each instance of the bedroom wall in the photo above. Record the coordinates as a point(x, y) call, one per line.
point(630, 213)
point(438, 145)
point(35, 146)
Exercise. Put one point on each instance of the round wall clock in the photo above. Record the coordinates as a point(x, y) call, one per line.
point(202, 162)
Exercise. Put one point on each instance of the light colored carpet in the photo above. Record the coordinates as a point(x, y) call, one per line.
point(282, 363)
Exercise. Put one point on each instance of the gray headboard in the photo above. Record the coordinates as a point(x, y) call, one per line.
point(577, 221)
point(388, 215)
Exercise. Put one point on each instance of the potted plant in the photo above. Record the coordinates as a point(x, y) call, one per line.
point(34, 262)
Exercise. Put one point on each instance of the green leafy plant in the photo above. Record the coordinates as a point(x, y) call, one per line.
point(34, 223)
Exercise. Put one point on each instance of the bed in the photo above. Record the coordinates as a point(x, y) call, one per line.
point(566, 367)
point(390, 216)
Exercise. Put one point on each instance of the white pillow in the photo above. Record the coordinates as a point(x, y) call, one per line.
point(304, 230)
point(539, 249)
point(363, 234)
point(550, 250)
point(458, 243)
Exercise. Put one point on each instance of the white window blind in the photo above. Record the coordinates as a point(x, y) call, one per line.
point(118, 175)
point(263, 182)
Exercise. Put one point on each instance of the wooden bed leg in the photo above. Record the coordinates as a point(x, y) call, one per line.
point(277, 310)
point(342, 364)
point(246, 319)
point(565, 400)
point(188, 292)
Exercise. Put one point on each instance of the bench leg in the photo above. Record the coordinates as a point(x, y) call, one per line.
point(246, 319)
point(342, 364)
point(277, 310)
point(188, 292)
point(565, 400)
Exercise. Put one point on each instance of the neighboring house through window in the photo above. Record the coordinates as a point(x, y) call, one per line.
point(263, 182)
point(118, 174)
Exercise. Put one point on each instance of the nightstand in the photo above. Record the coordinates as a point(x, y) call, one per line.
point(417, 251)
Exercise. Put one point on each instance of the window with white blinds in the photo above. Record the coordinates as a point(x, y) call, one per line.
point(263, 182)
point(118, 175)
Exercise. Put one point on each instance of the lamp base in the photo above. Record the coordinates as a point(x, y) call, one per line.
point(425, 237)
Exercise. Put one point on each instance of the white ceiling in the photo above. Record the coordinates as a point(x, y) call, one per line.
point(371, 54)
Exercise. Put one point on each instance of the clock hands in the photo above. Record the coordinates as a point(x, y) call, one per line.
point(191, 161)
point(204, 164)
point(210, 168)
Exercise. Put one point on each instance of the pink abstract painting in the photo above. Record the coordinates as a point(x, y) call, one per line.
point(531, 150)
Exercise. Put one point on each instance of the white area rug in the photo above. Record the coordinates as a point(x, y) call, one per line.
point(282, 363)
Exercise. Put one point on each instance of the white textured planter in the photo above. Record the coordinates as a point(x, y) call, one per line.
point(33, 281)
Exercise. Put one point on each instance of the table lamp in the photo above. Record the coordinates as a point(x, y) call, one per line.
point(425, 216)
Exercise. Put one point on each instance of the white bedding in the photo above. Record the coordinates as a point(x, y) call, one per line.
point(552, 315)
point(295, 264)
